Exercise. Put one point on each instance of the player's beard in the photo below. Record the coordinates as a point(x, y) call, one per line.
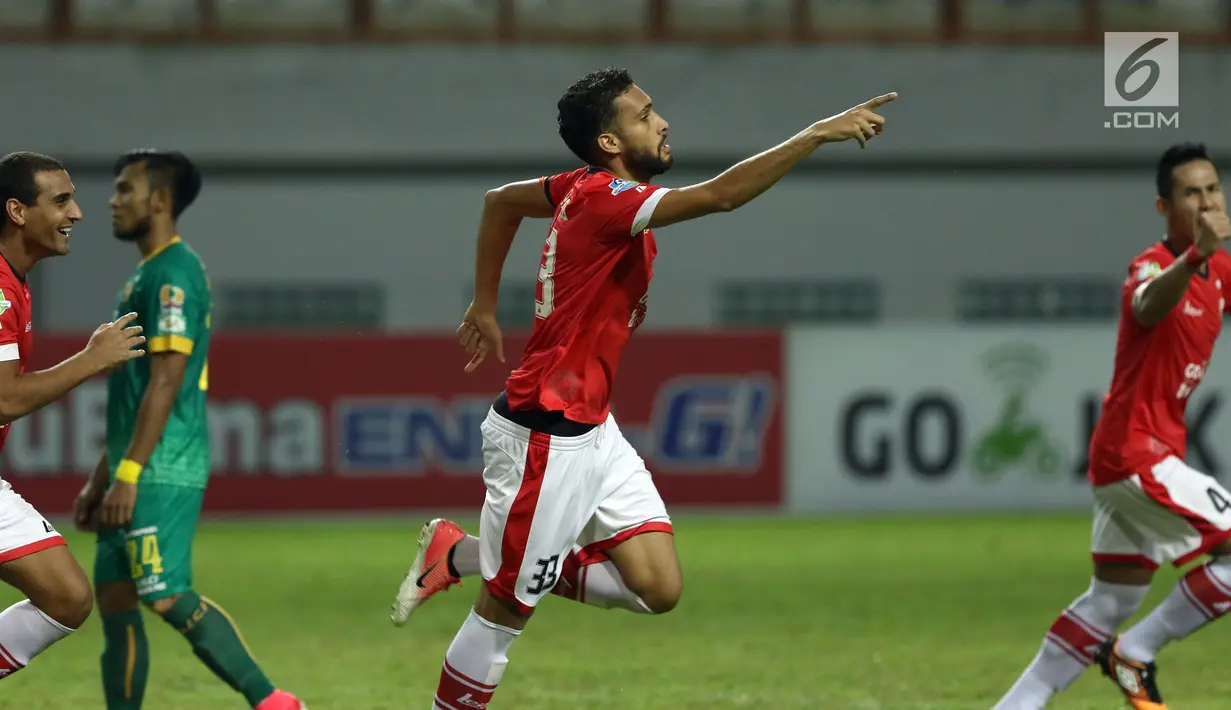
point(134, 233)
point(648, 163)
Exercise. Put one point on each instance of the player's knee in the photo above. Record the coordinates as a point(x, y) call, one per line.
point(1113, 603)
point(162, 607)
point(501, 611)
point(70, 603)
point(663, 594)
point(659, 589)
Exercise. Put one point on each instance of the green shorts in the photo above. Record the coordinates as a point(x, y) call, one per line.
point(155, 551)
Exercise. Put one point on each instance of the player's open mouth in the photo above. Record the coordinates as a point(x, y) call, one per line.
point(65, 230)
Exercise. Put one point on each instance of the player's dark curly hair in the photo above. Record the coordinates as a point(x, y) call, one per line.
point(587, 109)
point(1175, 156)
point(17, 175)
point(166, 168)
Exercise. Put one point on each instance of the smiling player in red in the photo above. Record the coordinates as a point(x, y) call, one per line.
point(570, 508)
point(1150, 507)
point(40, 208)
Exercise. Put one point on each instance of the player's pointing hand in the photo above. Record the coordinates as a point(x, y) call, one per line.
point(479, 334)
point(859, 122)
point(114, 343)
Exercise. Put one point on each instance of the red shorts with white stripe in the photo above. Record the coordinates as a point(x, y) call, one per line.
point(1166, 513)
point(550, 495)
point(23, 531)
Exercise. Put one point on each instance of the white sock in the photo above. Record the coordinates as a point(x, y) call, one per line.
point(464, 557)
point(473, 665)
point(600, 585)
point(1071, 641)
point(1203, 595)
point(25, 632)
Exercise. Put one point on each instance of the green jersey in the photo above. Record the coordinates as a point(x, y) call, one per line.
point(170, 293)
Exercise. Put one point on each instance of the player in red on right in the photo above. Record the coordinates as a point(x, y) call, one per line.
point(1149, 507)
point(570, 507)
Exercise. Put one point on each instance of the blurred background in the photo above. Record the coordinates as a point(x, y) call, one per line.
point(925, 324)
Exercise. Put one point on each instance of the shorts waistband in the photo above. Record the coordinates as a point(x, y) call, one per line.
point(558, 443)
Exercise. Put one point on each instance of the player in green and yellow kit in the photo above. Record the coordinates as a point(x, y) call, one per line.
point(146, 493)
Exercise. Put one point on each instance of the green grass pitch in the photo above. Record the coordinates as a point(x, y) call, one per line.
point(871, 614)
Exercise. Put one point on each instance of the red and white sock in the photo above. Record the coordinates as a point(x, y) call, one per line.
point(25, 632)
point(1068, 649)
point(473, 665)
point(597, 584)
point(1203, 595)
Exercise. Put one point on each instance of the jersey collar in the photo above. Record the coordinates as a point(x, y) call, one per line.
point(20, 276)
point(174, 240)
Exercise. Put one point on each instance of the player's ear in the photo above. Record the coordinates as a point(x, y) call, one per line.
point(609, 143)
point(15, 211)
point(1163, 205)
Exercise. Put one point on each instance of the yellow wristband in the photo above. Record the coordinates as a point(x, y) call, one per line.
point(128, 471)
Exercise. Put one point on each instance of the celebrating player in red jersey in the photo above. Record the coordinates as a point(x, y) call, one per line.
point(571, 509)
point(1149, 506)
point(40, 208)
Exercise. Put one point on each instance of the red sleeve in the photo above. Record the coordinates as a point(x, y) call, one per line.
point(11, 326)
point(625, 208)
point(557, 186)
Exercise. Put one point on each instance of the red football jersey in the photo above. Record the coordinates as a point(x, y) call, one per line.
point(16, 337)
point(1156, 369)
point(593, 280)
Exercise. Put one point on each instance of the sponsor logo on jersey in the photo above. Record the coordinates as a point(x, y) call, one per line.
point(172, 323)
point(621, 185)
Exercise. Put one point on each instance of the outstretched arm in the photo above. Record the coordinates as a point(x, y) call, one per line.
point(24, 392)
point(747, 179)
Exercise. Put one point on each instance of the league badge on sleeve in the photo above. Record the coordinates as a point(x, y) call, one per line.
point(5, 303)
point(1148, 270)
point(621, 185)
point(171, 313)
